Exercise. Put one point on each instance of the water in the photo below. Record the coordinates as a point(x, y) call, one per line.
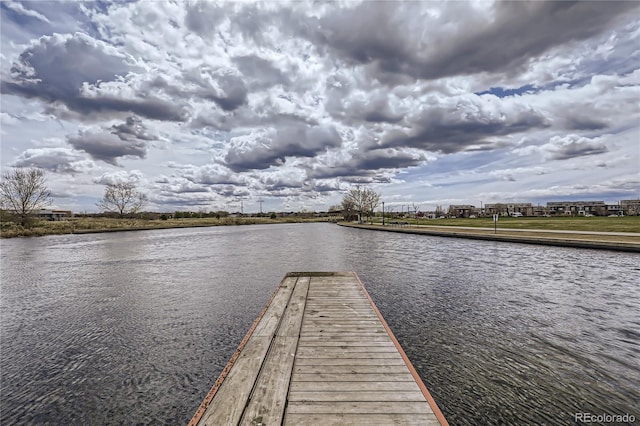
point(134, 328)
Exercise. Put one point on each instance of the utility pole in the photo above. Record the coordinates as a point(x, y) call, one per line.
point(241, 208)
point(383, 213)
point(261, 201)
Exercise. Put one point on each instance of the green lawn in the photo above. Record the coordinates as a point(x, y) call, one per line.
point(601, 224)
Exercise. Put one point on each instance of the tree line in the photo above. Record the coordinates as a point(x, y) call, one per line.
point(23, 192)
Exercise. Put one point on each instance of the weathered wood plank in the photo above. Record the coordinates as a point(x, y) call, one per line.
point(343, 343)
point(329, 328)
point(349, 369)
point(292, 419)
point(397, 360)
point(362, 396)
point(344, 386)
point(269, 397)
point(346, 322)
point(292, 318)
point(344, 337)
point(271, 318)
point(339, 316)
point(343, 354)
point(342, 350)
point(348, 407)
point(337, 312)
point(330, 377)
point(310, 333)
point(228, 404)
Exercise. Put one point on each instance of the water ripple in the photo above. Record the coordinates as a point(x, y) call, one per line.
point(133, 328)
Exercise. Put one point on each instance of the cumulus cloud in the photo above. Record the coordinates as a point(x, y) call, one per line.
point(57, 160)
point(126, 140)
point(107, 147)
point(463, 123)
point(120, 176)
point(261, 72)
point(56, 67)
point(212, 174)
point(571, 146)
point(266, 148)
point(203, 17)
point(132, 128)
point(454, 40)
point(71, 70)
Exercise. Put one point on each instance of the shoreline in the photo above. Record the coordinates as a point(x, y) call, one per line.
point(574, 239)
point(45, 231)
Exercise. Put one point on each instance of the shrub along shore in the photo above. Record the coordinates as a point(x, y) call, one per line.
point(86, 225)
point(83, 225)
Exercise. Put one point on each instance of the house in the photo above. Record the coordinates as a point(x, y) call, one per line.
point(507, 209)
point(577, 208)
point(462, 210)
point(630, 207)
point(53, 215)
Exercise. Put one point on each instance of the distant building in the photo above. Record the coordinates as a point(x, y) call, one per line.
point(462, 210)
point(53, 214)
point(577, 208)
point(505, 209)
point(497, 208)
point(630, 207)
point(526, 209)
point(614, 209)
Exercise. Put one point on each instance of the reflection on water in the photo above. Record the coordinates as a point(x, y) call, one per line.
point(133, 328)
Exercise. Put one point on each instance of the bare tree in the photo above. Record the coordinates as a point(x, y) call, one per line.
point(348, 209)
point(23, 191)
point(362, 200)
point(122, 198)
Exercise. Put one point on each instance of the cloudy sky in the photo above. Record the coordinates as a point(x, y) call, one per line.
point(205, 104)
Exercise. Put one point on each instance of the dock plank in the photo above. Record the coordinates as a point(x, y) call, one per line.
point(344, 386)
point(360, 419)
point(350, 361)
point(271, 318)
point(238, 384)
point(349, 369)
point(353, 377)
point(358, 407)
point(362, 396)
point(269, 397)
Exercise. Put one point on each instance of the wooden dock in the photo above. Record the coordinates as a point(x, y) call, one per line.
point(319, 353)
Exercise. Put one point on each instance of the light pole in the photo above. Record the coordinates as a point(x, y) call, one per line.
point(383, 213)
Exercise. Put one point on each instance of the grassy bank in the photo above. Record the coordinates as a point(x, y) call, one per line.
point(585, 224)
point(629, 242)
point(90, 224)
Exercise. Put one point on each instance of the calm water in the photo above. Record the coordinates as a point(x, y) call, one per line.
point(134, 328)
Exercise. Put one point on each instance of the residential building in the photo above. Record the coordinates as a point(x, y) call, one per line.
point(462, 210)
point(577, 208)
point(505, 209)
point(630, 207)
point(53, 214)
